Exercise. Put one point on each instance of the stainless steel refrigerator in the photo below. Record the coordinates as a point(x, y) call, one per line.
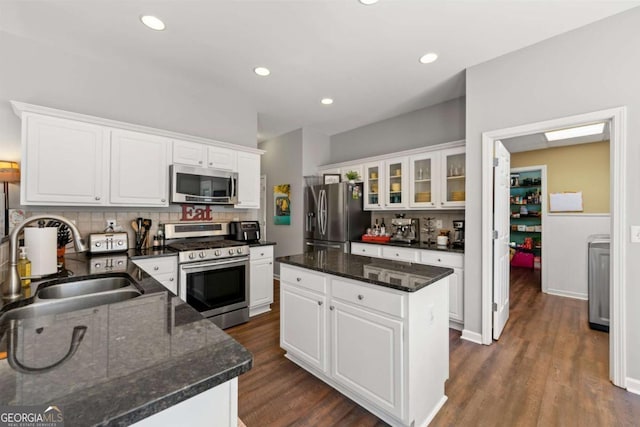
point(334, 216)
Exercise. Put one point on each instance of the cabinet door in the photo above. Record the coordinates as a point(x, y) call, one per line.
point(248, 180)
point(261, 276)
point(456, 295)
point(64, 162)
point(303, 325)
point(189, 153)
point(424, 188)
point(363, 343)
point(163, 269)
point(221, 158)
point(374, 193)
point(353, 168)
point(396, 189)
point(139, 169)
point(452, 171)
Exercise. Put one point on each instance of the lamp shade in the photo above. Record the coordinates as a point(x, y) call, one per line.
point(9, 171)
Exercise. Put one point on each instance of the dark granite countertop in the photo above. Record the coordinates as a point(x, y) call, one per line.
point(404, 276)
point(261, 243)
point(417, 245)
point(137, 357)
point(151, 252)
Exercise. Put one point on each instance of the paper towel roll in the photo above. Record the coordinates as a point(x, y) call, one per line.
point(42, 244)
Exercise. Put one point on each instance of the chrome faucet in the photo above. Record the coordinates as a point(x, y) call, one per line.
point(13, 289)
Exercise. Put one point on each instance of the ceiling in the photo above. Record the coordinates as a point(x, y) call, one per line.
point(538, 141)
point(364, 57)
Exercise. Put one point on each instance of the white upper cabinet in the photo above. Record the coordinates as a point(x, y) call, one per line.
point(64, 162)
point(248, 180)
point(374, 194)
point(359, 169)
point(453, 177)
point(139, 169)
point(222, 158)
point(397, 188)
point(189, 153)
point(424, 189)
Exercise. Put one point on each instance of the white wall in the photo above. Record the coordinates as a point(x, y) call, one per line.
point(48, 75)
point(282, 163)
point(440, 123)
point(566, 238)
point(591, 68)
point(315, 149)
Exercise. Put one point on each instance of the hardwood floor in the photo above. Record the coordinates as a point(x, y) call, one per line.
point(547, 369)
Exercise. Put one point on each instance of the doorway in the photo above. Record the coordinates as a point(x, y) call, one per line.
point(616, 117)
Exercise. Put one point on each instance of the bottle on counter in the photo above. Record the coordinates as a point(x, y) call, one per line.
point(24, 267)
point(383, 228)
point(376, 228)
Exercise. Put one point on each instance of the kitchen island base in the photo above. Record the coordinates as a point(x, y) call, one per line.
point(386, 349)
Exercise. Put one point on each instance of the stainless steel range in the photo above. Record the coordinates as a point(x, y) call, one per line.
point(213, 271)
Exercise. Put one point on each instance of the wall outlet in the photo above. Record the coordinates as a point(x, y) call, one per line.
point(438, 223)
point(635, 234)
point(111, 223)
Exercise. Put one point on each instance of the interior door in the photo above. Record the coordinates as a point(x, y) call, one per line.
point(501, 214)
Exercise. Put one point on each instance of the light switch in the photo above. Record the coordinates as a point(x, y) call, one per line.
point(635, 234)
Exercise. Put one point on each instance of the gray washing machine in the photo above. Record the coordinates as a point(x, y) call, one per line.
point(599, 261)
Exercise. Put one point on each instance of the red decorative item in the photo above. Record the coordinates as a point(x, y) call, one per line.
point(522, 259)
point(380, 239)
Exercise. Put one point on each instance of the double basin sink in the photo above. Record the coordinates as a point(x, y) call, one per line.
point(64, 295)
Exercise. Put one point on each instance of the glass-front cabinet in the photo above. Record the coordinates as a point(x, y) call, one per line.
point(424, 189)
point(453, 170)
point(396, 185)
point(374, 185)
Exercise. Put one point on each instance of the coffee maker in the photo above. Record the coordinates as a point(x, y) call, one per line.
point(405, 230)
point(458, 234)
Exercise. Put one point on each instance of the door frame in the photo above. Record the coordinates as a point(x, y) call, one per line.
point(617, 117)
point(544, 278)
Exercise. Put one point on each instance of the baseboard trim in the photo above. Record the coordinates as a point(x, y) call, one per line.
point(474, 337)
point(276, 277)
point(435, 411)
point(568, 294)
point(633, 385)
point(454, 324)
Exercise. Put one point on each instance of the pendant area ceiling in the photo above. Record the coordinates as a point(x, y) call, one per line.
point(364, 57)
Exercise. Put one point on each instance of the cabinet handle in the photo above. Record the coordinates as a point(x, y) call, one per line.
point(210, 163)
point(319, 302)
point(442, 203)
point(163, 200)
point(331, 307)
point(156, 268)
point(439, 260)
point(171, 279)
point(397, 254)
point(261, 253)
point(97, 197)
point(199, 162)
point(364, 250)
point(270, 263)
point(361, 297)
point(298, 279)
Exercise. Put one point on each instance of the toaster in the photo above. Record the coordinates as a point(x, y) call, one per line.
point(100, 243)
point(245, 231)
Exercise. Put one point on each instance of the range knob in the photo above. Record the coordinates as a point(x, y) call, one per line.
point(192, 255)
point(202, 254)
point(217, 252)
point(120, 243)
point(239, 251)
point(230, 251)
point(98, 244)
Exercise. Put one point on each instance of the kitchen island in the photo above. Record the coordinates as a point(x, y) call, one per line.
point(376, 330)
point(151, 359)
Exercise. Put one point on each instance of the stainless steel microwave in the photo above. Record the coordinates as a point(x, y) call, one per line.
point(195, 185)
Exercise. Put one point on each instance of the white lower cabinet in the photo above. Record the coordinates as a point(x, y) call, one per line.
point(162, 268)
point(385, 349)
point(261, 279)
point(424, 256)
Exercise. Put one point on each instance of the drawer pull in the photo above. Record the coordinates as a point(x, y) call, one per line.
point(156, 268)
point(171, 279)
point(97, 197)
point(270, 263)
point(360, 297)
point(319, 302)
point(298, 279)
point(331, 307)
point(261, 253)
point(397, 254)
point(439, 260)
point(364, 250)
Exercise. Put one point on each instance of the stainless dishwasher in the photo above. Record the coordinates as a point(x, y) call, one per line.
point(598, 257)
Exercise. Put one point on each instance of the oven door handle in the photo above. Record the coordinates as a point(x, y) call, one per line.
point(214, 264)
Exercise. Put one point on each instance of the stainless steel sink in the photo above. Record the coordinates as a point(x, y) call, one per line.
point(57, 306)
point(84, 287)
point(55, 297)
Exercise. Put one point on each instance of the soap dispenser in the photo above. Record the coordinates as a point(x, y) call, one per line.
point(24, 267)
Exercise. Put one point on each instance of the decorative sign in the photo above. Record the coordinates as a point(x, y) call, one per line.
point(282, 204)
point(191, 213)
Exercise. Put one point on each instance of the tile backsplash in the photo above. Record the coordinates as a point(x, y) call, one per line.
point(95, 221)
point(447, 218)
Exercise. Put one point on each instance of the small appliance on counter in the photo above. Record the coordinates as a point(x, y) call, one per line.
point(245, 231)
point(458, 234)
point(100, 243)
point(405, 229)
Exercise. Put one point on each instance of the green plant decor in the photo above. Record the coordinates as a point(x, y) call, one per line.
point(352, 175)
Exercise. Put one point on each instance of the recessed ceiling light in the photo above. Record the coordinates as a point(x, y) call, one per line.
point(368, 2)
point(326, 101)
point(428, 58)
point(574, 132)
point(262, 71)
point(152, 22)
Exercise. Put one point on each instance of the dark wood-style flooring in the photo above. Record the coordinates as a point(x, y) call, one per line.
point(547, 369)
